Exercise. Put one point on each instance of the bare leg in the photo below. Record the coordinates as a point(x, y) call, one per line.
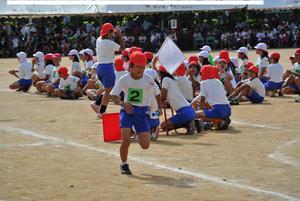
point(15, 85)
point(144, 140)
point(126, 132)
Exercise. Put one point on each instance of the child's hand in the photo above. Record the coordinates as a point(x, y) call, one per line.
point(12, 72)
point(127, 107)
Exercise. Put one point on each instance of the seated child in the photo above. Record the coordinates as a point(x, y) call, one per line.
point(274, 75)
point(252, 88)
point(24, 74)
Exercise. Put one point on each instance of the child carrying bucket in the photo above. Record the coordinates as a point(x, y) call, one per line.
point(138, 89)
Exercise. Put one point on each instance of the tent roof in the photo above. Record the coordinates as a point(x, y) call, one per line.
point(44, 11)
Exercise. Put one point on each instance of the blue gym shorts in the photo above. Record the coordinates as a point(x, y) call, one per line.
point(55, 85)
point(294, 86)
point(273, 85)
point(106, 74)
point(255, 97)
point(183, 115)
point(139, 119)
point(264, 79)
point(218, 111)
point(25, 83)
point(153, 123)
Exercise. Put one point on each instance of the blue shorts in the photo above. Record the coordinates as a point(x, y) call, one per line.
point(294, 86)
point(264, 79)
point(139, 119)
point(55, 85)
point(106, 74)
point(183, 115)
point(153, 123)
point(25, 83)
point(84, 80)
point(273, 85)
point(218, 111)
point(255, 97)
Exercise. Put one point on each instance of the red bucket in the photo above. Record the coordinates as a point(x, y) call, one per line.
point(111, 127)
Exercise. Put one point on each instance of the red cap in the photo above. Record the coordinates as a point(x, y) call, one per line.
point(275, 55)
point(134, 49)
point(180, 70)
point(193, 63)
point(193, 58)
point(63, 71)
point(162, 69)
point(254, 69)
point(138, 58)
point(224, 54)
point(249, 64)
point(119, 64)
point(297, 51)
point(106, 28)
point(148, 55)
point(125, 53)
point(207, 72)
point(57, 55)
point(49, 56)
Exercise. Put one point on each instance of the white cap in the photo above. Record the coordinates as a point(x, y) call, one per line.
point(243, 50)
point(39, 55)
point(81, 52)
point(22, 56)
point(206, 48)
point(73, 52)
point(235, 61)
point(261, 46)
point(89, 52)
point(217, 58)
point(204, 54)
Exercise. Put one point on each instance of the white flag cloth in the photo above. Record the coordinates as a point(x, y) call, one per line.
point(170, 56)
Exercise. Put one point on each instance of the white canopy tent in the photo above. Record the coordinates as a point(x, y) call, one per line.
point(52, 10)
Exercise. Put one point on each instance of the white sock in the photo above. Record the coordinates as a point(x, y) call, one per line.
point(123, 163)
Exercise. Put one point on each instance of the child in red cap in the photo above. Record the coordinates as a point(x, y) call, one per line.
point(68, 86)
point(185, 114)
point(138, 89)
point(292, 84)
point(184, 83)
point(106, 48)
point(274, 75)
point(213, 94)
point(252, 88)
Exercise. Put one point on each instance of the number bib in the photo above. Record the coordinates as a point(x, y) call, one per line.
point(135, 95)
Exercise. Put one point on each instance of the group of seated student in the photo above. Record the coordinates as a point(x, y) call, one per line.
point(203, 87)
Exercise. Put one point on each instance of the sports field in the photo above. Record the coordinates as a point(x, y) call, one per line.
point(52, 149)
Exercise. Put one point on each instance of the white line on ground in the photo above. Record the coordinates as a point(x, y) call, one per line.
point(38, 144)
point(279, 156)
point(184, 171)
point(264, 126)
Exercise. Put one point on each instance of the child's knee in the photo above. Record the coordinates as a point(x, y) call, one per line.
point(145, 145)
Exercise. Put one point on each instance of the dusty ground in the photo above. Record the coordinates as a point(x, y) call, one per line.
point(53, 149)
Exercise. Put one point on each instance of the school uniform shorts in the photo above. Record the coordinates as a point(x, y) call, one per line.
point(106, 74)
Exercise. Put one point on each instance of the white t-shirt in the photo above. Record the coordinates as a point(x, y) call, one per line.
point(262, 63)
point(39, 69)
point(213, 91)
point(241, 68)
point(136, 92)
point(296, 68)
point(174, 95)
point(185, 86)
point(49, 70)
point(275, 72)
point(119, 74)
point(54, 75)
point(257, 86)
point(106, 50)
point(153, 104)
point(75, 67)
point(153, 73)
point(69, 84)
point(25, 70)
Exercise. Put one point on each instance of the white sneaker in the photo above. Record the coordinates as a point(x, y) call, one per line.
point(297, 100)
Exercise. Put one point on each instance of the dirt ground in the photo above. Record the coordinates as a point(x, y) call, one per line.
point(52, 149)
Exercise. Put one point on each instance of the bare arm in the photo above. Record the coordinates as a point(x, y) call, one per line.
point(263, 71)
point(121, 41)
point(127, 107)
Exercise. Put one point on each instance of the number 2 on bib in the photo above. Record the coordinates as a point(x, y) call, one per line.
point(135, 95)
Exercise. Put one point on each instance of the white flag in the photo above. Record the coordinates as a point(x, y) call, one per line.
point(170, 56)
